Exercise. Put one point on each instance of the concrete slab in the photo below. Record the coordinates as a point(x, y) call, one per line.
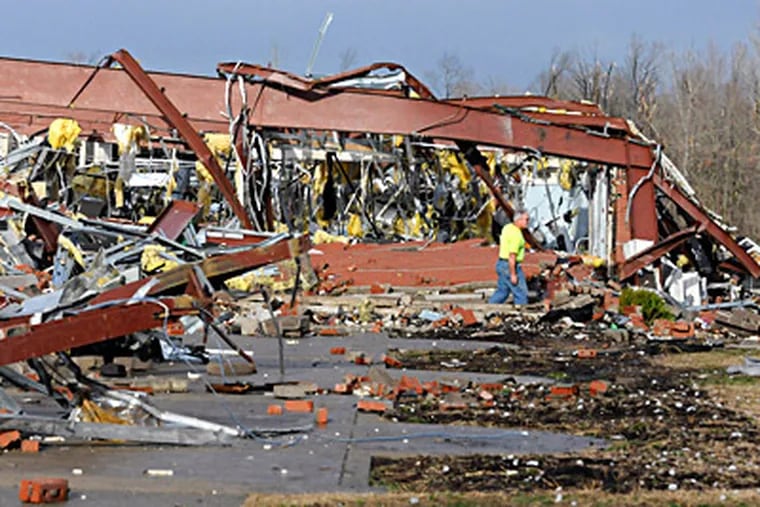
point(333, 458)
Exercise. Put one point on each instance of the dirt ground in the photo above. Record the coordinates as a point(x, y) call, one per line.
point(675, 421)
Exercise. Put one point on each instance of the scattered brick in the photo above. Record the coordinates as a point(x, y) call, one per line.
point(30, 446)
point(9, 438)
point(274, 410)
point(407, 383)
point(586, 353)
point(564, 391)
point(338, 351)
point(392, 362)
point(371, 406)
point(344, 388)
point(432, 387)
point(492, 387)
point(448, 406)
point(468, 316)
point(598, 387)
point(300, 406)
point(321, 417)
point(682, 329)
point(362, 359)
point(43, 490)
point(376, 288)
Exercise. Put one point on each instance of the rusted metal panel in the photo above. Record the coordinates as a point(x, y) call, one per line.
point(174, 219)
point(90, 326)
point(643, 212)
point(711, 228)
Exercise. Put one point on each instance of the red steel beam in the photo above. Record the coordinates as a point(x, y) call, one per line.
point(305, 84)
point(216, 269)
point(90, 326)
point(350, 111)
point(480, 166)
point(185, 129)
point(651, 254)
point(711, 228)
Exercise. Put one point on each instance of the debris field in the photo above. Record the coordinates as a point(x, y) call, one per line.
point(287, 278)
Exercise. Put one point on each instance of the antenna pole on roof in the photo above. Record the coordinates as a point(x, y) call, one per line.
point(322, 31)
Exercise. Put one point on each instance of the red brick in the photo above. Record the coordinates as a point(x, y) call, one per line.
point(343, 388)
point(378, 327)
point(300, 406)
point(488, 403)
point(447, 406)
point(610, 302)
point(9, 438)
point(371, 406)
point(409, 384)
point(564, 391)
point(338, 351)
point(492, 387)
point(432, 387)
point(468, 316)
point(274, 410)
point(682, 329)
point(376, 288)
point(449, 388)
point(441, 322)
point(329, 331)
point(597, 387)
point(581, 272)
point(321, 417)
point(30, 446)
point(586, 353)
point(392, 362)
point(362, 359)
point(43, 490)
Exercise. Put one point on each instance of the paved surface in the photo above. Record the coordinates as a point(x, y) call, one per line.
point(322, 459)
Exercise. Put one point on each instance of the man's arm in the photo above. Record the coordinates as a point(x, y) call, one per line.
point(513, 268)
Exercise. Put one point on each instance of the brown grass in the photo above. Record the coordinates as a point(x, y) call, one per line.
point(585, 498)
point(718, 359)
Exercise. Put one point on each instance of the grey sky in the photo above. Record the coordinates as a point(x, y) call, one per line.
point(509, 41)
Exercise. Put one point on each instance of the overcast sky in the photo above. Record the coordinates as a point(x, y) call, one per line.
point(508, 41)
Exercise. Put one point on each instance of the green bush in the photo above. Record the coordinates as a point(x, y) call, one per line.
point(653, 307)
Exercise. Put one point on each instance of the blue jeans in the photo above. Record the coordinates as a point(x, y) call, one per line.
point(504, 285)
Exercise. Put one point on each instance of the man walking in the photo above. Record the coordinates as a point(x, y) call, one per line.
point(511, 278)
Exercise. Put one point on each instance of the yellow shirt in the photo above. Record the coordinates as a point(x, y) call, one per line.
point(512, 242)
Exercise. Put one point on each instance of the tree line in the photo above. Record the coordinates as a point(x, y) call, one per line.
point(702, 105)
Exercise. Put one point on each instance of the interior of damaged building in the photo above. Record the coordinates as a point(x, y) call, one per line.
point(260, 287)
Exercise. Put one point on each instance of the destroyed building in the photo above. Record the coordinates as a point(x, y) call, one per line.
point(133, 200)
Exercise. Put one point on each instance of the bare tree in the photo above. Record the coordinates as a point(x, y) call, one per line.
point(452, 78)
point(348, 59)
point(553, 81)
